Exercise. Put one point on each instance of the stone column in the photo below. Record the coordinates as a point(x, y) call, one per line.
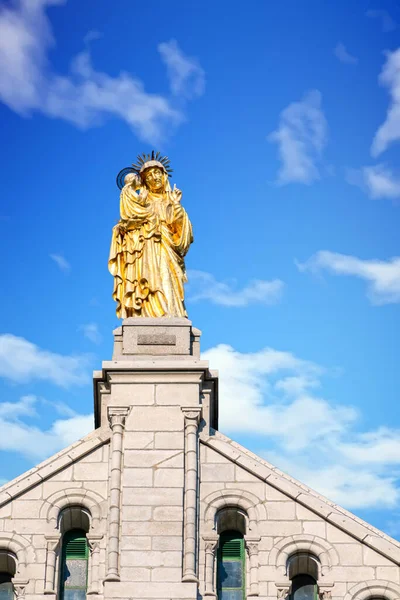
point(210, 548)
point(93, 575)
point(252, 549)
point(116, 417)
point(51, 555)
point(192, 417)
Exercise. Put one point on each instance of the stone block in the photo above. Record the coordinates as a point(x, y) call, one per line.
point(136, 513)
point(317, 528)
point(168, 513)
point(133, 542)
point(168, 440)
point(154, 337)
point(148, 458)
point(170, 543)
point(156, 418)
point(131, 394)
point(350, 554)
point(218, 472)
point(85, 472)
point(166, 574)
point(151, 590)
point(388, 573)
point(281, 511)
point(135, 477)
point(156, 497)
point(138, 440)
point(181, 394)
point(168, 478)
point(133, 574)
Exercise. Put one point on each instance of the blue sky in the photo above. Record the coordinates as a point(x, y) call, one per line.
point(283, 128)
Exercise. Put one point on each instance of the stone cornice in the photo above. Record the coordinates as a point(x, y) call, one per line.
point(332, 513)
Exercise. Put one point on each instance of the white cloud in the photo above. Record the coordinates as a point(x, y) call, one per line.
point(301, 137)
point(61, 262)
point(389, 131)
point(32, 442)
point(91, 332)
point(383, 277)
point(378, 181)
point(387, 22)
point(22, 361)
point(204, 286)
point(186, 76)
point(84, 96)
point(272, 393)
point(343, 55)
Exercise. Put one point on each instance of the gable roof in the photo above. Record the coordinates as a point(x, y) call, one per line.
point(328, 510)
point(73, 453)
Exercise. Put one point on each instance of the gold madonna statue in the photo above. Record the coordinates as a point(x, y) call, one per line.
point(149, 242)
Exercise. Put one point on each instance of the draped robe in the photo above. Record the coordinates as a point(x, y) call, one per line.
point(147, 259)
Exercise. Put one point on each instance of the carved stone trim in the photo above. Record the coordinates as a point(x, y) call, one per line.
point(252, 549)
point(210, 547)
point(52, 546)
point(192, 417)
point(283, 590)
point(94, 561)
point(116, 416)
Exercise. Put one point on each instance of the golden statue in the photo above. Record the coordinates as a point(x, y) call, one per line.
point(149, 242)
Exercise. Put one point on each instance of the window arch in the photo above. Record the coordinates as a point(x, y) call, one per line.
point(74, 523)
point(8, 567)
point(231, 583)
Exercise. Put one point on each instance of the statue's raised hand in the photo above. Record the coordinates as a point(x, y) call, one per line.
point(176, 195)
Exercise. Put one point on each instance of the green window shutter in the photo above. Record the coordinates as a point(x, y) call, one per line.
point(74, 570)
point(76, 546)
point(231, 571)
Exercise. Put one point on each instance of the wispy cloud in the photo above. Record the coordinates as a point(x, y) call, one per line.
point(387, 22)
point(84, 96)
point(22, 361)
point(378, 181)
point(29, 440)
point(91, 332)
point(274, 394)
point(389, 131)
point(383, 277)
point(204, 286)
point(186, 76)
point(61, 262)
point(343, 55)
point(301, 137)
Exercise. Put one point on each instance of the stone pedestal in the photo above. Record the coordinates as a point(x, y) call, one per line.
point(166, 395)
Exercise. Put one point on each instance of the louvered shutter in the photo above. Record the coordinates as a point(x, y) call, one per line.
point(230, 575)
point(75, 553)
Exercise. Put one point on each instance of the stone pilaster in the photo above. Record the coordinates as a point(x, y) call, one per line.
point(94, 561)
point(192, 417)
point(252, 549)
point(116, 417)
point(210, 546)
point(52, 546)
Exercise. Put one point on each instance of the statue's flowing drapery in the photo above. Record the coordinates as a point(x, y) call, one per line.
point(147, 259)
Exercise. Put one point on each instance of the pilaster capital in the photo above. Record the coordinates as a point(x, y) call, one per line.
point(19, 588)
point(192, 414)
point(94, 542)
point(283, 590)
point(210, 543)
point(52, 541)
point(117, 415)
point(325, 593)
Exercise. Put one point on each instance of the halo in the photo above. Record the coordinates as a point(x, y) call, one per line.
point(121, 176)
point(143, 159)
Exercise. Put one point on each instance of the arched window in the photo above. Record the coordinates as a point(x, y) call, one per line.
point(304, 587)
point(8, 566)
point(303, 570)
point(230, 566)
point(74, 565)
